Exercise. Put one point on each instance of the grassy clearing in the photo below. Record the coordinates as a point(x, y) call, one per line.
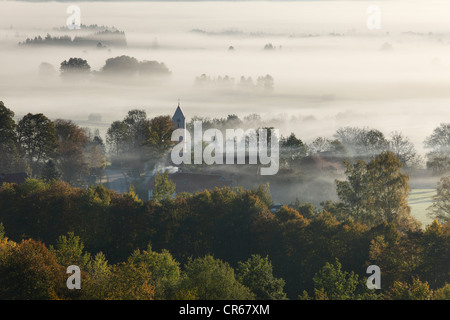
point(419, 201)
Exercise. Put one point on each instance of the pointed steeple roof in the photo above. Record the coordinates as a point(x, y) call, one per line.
point(178, 113)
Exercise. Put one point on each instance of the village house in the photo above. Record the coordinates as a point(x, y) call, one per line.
point(18, 177)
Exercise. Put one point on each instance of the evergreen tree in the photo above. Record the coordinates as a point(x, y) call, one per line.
point(377, 191)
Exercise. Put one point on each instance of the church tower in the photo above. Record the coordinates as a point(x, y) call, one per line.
point(178, 119)
point(179, 122)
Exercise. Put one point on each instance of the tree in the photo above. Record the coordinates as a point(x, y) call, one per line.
point(31, 272)
point(442, 293)
point(160, 135)
point(390, 190)
point(37, 139)
point(137, 134)
point(403, 148)
point(417, 290)
point(99, 272)
point(307, 210)
point(253, 118)
point(153, 68)
point(319, 145)
point(2, 232)
point(129, 281)
point(6, 245)
point(75, 67)
point(440, 209)
point(70, 153)
point(165, 271)
point(95, 140)
point(373, 142)
point(265, 82)
point(130, 66)
point(96, 161)
point(213, 279)
point(233, 121)
point(376, 191)
point(333, 283)
point(439, 143)
point(287, 214)
point(137, 124)
point(50, 172)
point(164, 187)
point(126, 139)
point(121, 65)
point(292, 149)
point(69, 251)
point(132, 197)
point(8, 138)
point(116, 137)
point(434, 252)
point(256, 274)
point(362, 143)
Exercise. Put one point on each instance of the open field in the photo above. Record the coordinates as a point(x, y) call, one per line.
point(419, 201)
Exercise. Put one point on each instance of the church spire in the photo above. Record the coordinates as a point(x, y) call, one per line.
point(178, 119)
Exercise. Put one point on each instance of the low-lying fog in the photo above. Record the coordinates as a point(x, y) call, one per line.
point(329, 69)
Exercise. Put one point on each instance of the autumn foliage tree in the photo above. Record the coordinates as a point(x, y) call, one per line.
point(377, 191)
point(227, 229)
point(159, 136)
point(165, 271)
point(30, 271)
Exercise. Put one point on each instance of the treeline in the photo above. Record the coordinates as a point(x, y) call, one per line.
point(62, 150)
point(104, 37)
point(49, 149)
point(347, 143)
point(319, 253)
point(265, 83)
point(137, 141)
point(94, 27)
point(118, 66)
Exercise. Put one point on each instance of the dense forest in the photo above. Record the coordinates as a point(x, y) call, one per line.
point(217, 244)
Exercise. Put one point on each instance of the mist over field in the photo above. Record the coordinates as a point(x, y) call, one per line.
point(329, 69)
